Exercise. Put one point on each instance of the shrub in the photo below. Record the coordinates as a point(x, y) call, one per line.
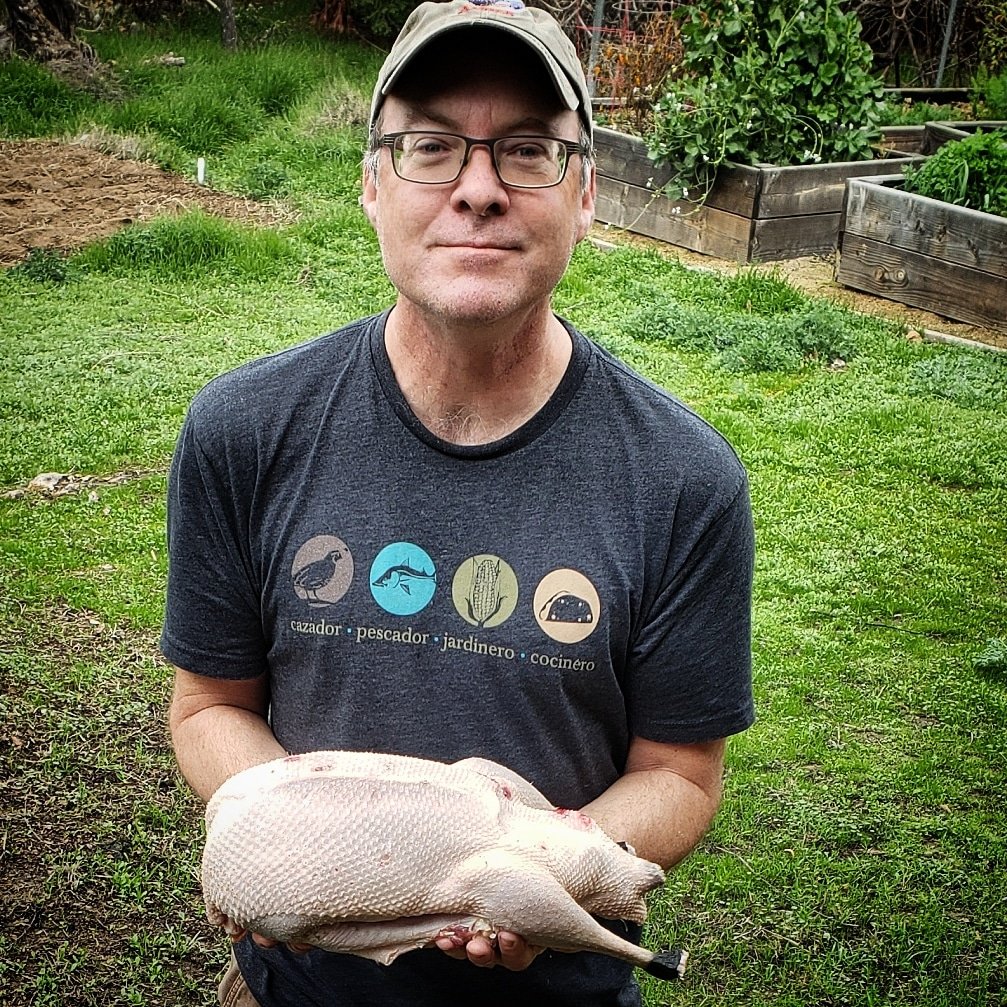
point(970, 172)
point(767, 80)
point(993, 41)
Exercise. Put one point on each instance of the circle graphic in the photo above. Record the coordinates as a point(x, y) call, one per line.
point(403, 578)
point(322, 570)
point(566, 606)
point(484, 590)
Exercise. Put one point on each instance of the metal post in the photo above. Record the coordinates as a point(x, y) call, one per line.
point(592, 59)
point(947, 42)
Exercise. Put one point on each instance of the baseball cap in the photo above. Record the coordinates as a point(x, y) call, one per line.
point(538, 29)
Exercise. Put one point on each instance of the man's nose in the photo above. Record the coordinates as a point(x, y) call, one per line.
point(478, 187)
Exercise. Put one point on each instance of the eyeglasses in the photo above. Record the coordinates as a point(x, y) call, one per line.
point(526, 162)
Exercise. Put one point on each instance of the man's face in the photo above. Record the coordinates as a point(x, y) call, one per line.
point(475, 251)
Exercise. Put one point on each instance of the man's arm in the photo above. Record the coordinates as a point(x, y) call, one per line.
point(665, 800)
point(218, 728)
point(662, 806)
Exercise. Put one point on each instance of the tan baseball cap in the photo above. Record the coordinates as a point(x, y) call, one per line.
point(536, 28)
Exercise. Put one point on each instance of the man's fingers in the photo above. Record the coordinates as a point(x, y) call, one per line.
point(515, 952)
point(481, 952)
point(269, 942)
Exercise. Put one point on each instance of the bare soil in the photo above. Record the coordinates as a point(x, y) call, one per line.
point(61, 196)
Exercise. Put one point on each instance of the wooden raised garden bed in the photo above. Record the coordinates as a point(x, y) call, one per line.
point(923, 252)
point(752, 214)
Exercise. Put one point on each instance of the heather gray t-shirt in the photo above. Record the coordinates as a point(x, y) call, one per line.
point(537, 601)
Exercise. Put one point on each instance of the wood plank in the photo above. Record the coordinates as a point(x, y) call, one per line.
point(929, 95)
point(702, 229)
point(757, 191)
point(903, 139)
point(777, 238)
point(939, 133)
point(948, 289)
point(800, 190)
point(954, 234)
point(624, 158)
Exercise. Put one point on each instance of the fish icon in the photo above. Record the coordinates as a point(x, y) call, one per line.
point(402, 576)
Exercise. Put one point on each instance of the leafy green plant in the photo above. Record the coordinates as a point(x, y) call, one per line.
point(970, 172)
point(770, 81)
point(989, 94)
point(916, 113)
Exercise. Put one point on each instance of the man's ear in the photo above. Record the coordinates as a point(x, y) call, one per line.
point(587, 201)
point(369, 197)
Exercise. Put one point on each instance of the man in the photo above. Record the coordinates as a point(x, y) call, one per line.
point(459, 528)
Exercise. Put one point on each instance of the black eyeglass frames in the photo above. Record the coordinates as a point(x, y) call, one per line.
point(526, 162)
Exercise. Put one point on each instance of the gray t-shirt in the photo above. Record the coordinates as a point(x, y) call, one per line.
point(537, 601)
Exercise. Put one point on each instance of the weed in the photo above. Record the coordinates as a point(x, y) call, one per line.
point(44, 265)
point(772, 328)
point(992, 659)
point(972, 380)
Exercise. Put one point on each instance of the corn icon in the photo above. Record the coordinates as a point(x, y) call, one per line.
point(484, 598)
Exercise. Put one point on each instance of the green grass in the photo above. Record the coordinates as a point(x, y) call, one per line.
point(861, 854)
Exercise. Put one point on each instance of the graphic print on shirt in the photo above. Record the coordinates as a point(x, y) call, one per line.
point(484, 591)
point(403, 578)
point(566, 606)
point(322, 570)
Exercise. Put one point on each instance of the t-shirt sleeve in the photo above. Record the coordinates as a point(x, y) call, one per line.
point(691, 666)
point(213, 623)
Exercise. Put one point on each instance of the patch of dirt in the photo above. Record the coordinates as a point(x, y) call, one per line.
point(99, 839)
point(62, 196)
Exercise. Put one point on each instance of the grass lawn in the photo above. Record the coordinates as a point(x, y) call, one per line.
point(861, 854)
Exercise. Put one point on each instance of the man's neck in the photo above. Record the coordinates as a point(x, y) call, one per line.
point(476, 384)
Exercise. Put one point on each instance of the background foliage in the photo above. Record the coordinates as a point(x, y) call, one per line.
point(861, 854)
point(764, 80)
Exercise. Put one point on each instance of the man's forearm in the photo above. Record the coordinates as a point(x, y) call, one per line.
point(666, 800)
point(661, 815)
point(213, 744)
point(219, 727)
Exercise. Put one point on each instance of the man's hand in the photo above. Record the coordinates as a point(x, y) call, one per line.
point(509, 950)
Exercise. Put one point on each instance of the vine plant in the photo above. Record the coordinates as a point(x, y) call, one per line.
point(777, 81)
